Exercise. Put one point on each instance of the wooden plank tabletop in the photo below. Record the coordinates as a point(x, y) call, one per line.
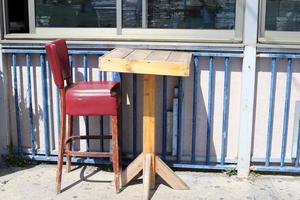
point(141, 61)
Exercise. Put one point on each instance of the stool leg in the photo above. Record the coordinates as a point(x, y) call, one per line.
point(61, 142)
point(68, 147)
point(115, 143)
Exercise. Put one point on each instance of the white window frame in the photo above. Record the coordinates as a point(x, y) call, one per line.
point(136, 34)
point(274, 37)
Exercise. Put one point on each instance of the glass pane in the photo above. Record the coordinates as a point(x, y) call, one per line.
point(283, 15)
point(132, 13)
point(75, 13)
point(191, 14)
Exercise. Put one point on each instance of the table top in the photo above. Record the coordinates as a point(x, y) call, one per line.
point(145, 61)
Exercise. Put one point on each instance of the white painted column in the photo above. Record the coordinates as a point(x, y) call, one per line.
point(248, 87)
point(4, 106)
point(31, 16)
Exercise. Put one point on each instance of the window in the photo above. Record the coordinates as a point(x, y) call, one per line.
point(178, 14)
point(283, 15)
point(78, 13)
point(139, 19)
point(280, 21)
point(17, 16)
point(191, 14)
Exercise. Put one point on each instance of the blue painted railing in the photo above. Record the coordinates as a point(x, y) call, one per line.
point(282, 166)
point(178, 162)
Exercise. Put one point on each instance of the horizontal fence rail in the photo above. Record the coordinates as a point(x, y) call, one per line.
point(288, 62)
point(178, 156)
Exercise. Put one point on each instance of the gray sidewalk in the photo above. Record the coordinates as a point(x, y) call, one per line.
point(38, 183)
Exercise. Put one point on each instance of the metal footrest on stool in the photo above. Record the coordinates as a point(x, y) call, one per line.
point(92, 137)
point(88, 154)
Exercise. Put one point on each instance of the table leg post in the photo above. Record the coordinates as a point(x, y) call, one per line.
point(147, 175)
point(149, 123)
point(148, 161)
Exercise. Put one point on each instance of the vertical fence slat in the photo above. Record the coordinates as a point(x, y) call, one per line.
point(101, 120)
point(57, 114)
point(194, 117)
point(71, 66)
point(209, 109)
point(45, 103)
point(29, 97)
point(298, 148)
point(164, 131)
point(134, 115)
point(271, 112)
point(286, 111)
point(179, 121)
point(72, 80)
point(49, 102)
point(15, 78)
point(86, 119)
point(225, 113)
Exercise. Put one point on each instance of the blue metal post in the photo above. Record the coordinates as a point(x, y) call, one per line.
point(16, 93)
point(298, 147)
point(49, 103)
point(164, 133)
point(209, 108)
point(180, 110)
point(71, 66)
point(45, 104)
point(72, 79)
point(86, 119)
point(271, 112)
point(134, 114)
point(225, 113)
point(194, 117)
point(286, 111)
point(101, 78)
point(29, 96)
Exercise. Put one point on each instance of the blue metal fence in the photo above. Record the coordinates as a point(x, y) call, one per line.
point(282, 165)
point(177, 162)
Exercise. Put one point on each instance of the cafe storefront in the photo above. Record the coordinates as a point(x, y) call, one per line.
point(238, 109)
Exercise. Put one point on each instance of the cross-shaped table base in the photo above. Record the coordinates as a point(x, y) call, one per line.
point(148, 161)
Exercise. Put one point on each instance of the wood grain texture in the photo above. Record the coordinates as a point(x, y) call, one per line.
point(169, 176)
point(147, 176)
point(132, 170)
point(118, 53)
point(149, 114)
point(116, 158)
point(149, 122)
point(141, 61)
point(62, 140)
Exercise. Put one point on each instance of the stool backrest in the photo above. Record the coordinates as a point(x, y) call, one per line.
point(58, 57)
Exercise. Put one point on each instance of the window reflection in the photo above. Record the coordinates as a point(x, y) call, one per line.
point(188, 14)
point(132, 13)
point(283, 15)
point(75, 13)
point(203, 14)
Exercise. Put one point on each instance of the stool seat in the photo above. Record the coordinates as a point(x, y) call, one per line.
point(92, 98)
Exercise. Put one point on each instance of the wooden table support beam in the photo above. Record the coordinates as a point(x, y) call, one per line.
point(148, 161)
point(150, 63)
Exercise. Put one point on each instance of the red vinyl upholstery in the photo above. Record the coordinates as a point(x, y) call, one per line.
point(58, 58)
point(82, 98)
point(92, 98)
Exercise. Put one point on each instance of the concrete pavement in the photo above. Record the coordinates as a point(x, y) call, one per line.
point(37, 182)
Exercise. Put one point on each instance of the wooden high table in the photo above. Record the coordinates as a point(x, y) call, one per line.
point(150, 63)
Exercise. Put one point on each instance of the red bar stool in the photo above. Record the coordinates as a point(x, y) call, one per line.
point(82, 99)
